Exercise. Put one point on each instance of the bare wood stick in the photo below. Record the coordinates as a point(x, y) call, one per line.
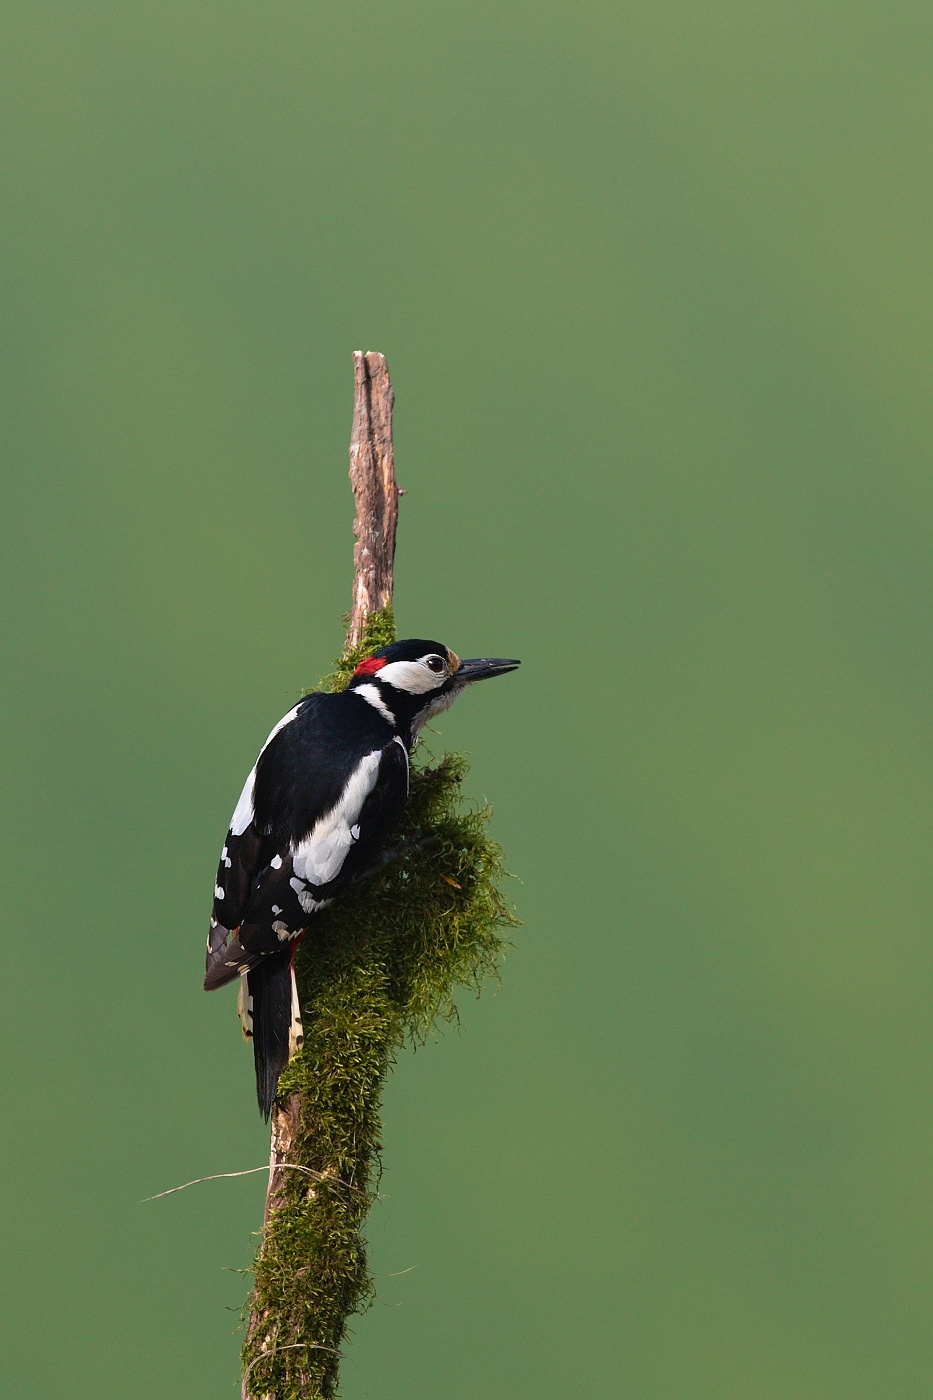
point(372, 476)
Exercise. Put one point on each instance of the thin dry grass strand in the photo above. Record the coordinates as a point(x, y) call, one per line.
point(223, 1176)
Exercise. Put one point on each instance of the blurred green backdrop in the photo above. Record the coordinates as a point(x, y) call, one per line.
point(654, 282)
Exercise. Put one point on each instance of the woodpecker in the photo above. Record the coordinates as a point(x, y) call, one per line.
point(316, 814)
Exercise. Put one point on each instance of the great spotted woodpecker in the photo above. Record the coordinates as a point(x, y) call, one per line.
point(316, 813)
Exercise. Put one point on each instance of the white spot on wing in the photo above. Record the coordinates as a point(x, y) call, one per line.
point(309, 904)
point(305, 898)
point(218, 892)
point(276, 863)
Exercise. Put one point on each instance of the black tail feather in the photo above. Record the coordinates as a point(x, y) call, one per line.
point(270, 987)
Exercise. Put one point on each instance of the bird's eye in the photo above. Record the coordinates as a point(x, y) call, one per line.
point(436, 664)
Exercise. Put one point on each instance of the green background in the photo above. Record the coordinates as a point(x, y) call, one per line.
point(654, 282)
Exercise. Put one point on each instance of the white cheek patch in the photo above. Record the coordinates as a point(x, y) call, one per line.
point(411, 676)
point(319, 857)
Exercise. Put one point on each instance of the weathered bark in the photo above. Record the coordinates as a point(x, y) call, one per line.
point(284, 1127)
point(372, 476)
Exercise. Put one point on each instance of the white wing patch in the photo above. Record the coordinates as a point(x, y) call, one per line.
point(319, 857)
point(243, 813)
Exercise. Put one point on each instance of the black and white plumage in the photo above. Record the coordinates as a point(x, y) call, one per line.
point(317, 813)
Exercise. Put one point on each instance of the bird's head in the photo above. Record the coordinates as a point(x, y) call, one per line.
point(415, 679)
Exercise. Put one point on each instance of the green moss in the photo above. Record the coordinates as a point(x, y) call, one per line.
point(382, 968)
point(378, 631)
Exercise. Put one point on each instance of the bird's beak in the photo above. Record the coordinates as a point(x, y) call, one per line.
point(481, 668)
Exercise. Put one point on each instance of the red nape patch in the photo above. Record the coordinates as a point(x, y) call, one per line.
point(370, 666)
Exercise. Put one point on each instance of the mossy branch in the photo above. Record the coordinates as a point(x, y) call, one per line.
point(382, 968)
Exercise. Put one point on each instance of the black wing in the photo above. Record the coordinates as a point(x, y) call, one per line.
point(246, 851)
point(303, 829)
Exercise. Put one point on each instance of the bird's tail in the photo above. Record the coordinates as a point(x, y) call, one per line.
point(269, 1010)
